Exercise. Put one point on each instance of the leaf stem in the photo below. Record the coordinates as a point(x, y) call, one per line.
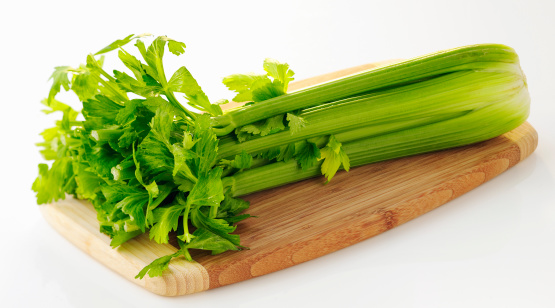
point(171, 98)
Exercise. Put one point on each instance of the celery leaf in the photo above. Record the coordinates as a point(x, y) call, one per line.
point(334, 156)
point(182, 81)
point(59, 79)
point(279, 71)
point(242, 83)
point(167, 220)
point(295, 123)
point(157, 267)
point(119, 43)
point(308, 155)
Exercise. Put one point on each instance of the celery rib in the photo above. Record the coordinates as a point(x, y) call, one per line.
point(494, 119)
point(457, 92)
point(474, 57)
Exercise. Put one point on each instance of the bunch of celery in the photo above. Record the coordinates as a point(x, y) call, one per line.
point(149, 163)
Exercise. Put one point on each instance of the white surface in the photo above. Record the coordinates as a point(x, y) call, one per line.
point(493, 247)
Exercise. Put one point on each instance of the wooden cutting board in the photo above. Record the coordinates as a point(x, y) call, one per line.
point(302, 221)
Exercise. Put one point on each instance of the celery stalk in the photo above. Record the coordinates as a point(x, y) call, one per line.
point(475, 126)
point(470, 58)
point(428, 116)
point(393, 109)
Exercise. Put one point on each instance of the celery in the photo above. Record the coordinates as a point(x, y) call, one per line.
point(151, 164)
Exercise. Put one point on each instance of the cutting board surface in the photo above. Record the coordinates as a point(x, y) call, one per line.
point(302, 221)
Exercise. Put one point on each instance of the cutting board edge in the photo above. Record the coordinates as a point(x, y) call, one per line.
point(527, 143)
point(76, 221)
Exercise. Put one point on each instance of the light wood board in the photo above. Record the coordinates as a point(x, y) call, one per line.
point(302, 221)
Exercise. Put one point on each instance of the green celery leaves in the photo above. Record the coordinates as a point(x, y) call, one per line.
point(334, 157)
point(146, 164)
point(149, 164)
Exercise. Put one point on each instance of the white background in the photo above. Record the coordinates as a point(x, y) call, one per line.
point(493, 247)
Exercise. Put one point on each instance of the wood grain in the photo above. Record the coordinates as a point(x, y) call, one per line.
point(76, 220)
point(305, 220)
point(302, 221)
